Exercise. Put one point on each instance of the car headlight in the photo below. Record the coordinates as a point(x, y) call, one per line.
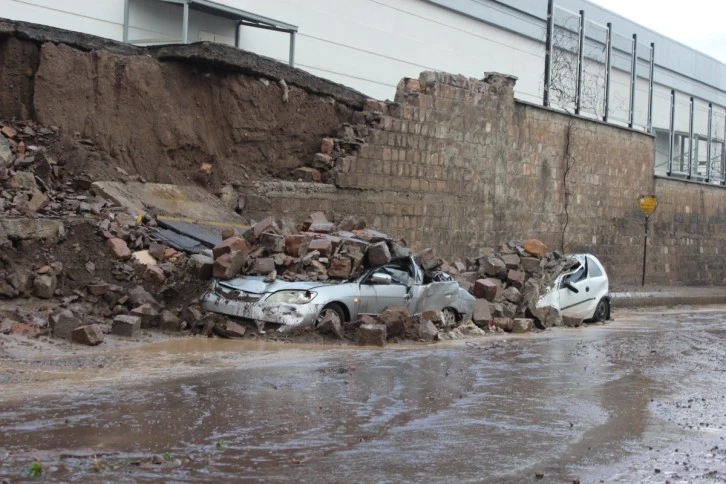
point(292, 297)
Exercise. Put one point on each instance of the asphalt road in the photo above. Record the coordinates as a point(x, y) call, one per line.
point(639, 399)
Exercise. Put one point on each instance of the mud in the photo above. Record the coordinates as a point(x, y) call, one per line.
point(640, 399)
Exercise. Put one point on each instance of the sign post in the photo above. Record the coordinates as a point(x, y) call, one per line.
point(648, 204)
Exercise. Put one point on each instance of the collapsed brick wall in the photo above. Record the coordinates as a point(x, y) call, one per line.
point(458, 165)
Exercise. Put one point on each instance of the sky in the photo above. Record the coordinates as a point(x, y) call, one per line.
point(700, 24)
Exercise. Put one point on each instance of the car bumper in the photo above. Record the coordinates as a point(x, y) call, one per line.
point(292, 315)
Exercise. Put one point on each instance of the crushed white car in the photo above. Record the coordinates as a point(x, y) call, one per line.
point(581, 291)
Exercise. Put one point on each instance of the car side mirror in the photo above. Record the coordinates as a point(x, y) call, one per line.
point(381, 279)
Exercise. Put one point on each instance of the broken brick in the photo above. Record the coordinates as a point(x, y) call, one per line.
point(119, 248)
point(89, 334)
point(230, 245)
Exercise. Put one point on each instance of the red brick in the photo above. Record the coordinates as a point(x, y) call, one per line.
point(119, 248)
point(229, 245)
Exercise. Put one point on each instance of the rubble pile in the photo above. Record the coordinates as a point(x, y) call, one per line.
point(319, 251)
point(100, 269)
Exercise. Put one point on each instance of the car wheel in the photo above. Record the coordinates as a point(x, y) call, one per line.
point(601, 311)
point(331, 310)
point(450, 317)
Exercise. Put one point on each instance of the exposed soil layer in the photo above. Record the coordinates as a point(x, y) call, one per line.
point(161, 113)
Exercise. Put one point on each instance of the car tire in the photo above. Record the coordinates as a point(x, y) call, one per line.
point(451, 317)
point(331, 308)
point(602, 311)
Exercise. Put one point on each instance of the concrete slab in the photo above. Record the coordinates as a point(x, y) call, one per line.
point(31, 228)
point(187, 201)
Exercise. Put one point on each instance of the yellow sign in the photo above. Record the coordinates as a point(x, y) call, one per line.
point(648, 205)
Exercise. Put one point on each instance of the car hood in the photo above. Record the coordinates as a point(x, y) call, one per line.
point(257, 285)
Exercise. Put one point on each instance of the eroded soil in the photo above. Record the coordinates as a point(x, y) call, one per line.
point(638, 399)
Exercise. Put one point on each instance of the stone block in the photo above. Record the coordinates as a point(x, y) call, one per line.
point(535, 247)
point(201, 266)
point(90, 335)
point(331, 326)
point(512, 295)
point(65, 323)
point(493, 267)
point(168, 321)
point(324, 246)
point(340, 268)
point(378, 254)
point(516, 279)
point(531, 265)
point(229, 265)
point(482, 313)
point(372, 335)
point(293, 243)
point(522, 325)
point(44, 285)
point(262, 266)
point(486, 289)
point(125, 325)
point(147, 314)
point(231, 244)
point(119, 248)
point(398, 321)
point(503, 323)
point(511, 261)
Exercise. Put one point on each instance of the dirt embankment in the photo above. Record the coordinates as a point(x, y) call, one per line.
point(159, 113)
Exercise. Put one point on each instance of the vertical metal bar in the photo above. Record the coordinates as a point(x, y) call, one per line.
point(580, 63)
point(645, 249)
point(650, 87)
point(292, 49)
point(126, 21)
point(708, 143)
point(548, 52)
point(633, 79)
point(723, 155)
point(237, 36)
point(690, 140)
point(672, 132)
point(608, 69)
point(185, 24)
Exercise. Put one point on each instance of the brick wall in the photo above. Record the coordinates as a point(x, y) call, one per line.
point(458, 165)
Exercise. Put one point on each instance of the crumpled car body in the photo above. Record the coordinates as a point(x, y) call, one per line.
point(581, 291)
point(401, 283)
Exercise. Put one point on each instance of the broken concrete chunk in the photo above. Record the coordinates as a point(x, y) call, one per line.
point(124, 325)
point(324, 246)
point(168, 321)
point(372, 335)
point(89, 334)
point(512, 295)
point(516, 279)
point(229, 265)
point(503, 323)
point(143, 257)
point(571, 322)
point(493, 266)
point(138, 296)
point(307, 174)
point(531, 265)
point(157, 251)
point(294, 242)
point(326, 146)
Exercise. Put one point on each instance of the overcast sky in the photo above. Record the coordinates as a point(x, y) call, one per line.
point(700, 24)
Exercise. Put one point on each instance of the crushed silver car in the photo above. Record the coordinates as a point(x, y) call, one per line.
point(580, 291)
point(400, 283)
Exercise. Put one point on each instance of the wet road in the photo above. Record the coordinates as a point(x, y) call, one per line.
point(641, 399)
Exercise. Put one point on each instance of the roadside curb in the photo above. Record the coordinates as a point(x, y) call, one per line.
point(650, 299)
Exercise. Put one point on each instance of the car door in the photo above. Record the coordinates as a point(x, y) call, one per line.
point(375, 298)
point(575, 294)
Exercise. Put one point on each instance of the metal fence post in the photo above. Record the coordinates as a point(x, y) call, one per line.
point(690, 140)
point(292, 49)
point(723, 155)
point(580, 62)
point(672, 132)
point(126, 21)
point(650, 88)
point(608, 66)
point(633, 79)
point(708, 143)
point(185, 24)
point(548, 52)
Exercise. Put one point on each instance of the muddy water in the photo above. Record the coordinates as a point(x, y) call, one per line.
point(639, 399)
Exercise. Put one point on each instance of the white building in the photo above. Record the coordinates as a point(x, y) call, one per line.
point(371, 44)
